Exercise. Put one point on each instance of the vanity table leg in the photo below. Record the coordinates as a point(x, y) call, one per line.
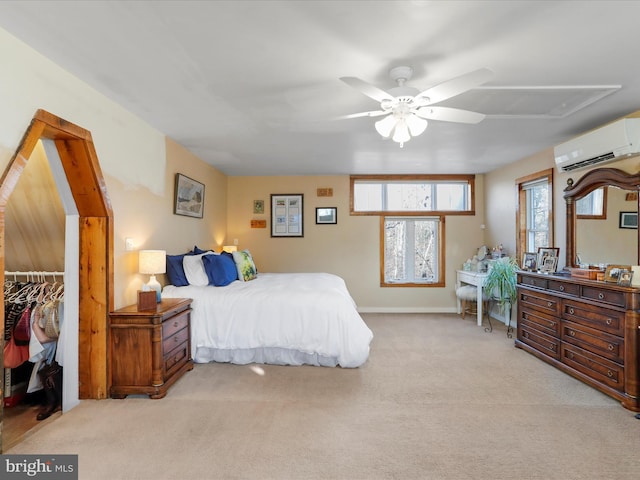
point(479, 302)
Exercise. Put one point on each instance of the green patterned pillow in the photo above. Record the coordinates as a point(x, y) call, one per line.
point(244, 263)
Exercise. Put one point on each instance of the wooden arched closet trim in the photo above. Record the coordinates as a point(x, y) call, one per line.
point(82, 169)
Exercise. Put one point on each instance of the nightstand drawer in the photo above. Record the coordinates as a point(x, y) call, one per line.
point(174, 359)
point(168, 344)
point(175, 324)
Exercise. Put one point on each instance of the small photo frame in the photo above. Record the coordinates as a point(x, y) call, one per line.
point(549, 264)
point(629, 220)
point(258, 206)
point(612, 273)
point(624, 279)
point(530, 261)
point(544, 252)
point(326, 215)
point(189, 197)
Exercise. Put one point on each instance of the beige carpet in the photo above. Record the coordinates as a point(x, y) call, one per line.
point(438, 399)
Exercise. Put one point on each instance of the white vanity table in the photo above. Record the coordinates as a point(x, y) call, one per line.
point(472, 278)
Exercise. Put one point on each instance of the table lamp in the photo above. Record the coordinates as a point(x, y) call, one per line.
point(152, 262)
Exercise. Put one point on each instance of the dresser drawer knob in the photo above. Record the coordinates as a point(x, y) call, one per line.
point(572, 333)
point(570, 355)
point(552, 324)
point(524, 297)
point(175, 324)
point(549, 304)
point(571, 311)
point(562, 288)
point(609, 321)
point(601, 295)
point(175, 339)
point(609, 374)
point(611, 347)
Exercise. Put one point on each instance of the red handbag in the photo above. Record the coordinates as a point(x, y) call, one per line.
point(22, 329)
point(15, 355)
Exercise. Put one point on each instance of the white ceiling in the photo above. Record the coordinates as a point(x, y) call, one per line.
point(252, 87)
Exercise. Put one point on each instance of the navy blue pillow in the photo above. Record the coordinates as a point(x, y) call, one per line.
point(175, 270)
point(199, 251)
point(221, 269)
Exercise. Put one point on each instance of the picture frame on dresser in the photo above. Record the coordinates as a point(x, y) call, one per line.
point(612, 272)
point(530, 261)
point(544, 252)
point(549, 264)
point(624, 279)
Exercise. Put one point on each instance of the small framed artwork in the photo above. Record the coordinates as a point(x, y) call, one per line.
point(530, 261)
point(326, 215)
point(287, 215)
point(624, 279)
point(612, 273)
point(629, 220)
point(544, 252)
point(549, 264)
point(189, 197)
point(258, 206)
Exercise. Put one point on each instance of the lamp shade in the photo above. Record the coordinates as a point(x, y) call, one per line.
point(152, 261)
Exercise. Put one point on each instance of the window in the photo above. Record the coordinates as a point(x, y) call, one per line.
point(593, 205)
point(411, 251)
point(535, 212)
point(412, 195)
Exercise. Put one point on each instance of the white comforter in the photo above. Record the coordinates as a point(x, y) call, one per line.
point(281, 318)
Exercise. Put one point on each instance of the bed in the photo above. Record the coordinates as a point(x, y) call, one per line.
point(276, 318)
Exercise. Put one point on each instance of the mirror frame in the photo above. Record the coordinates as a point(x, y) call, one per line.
point(600, 177)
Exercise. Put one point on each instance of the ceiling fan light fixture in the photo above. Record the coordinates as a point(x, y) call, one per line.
point(401, 132)
point(385, 126)
point(416, 125)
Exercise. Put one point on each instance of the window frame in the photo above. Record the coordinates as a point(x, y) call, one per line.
point(522, 212)
point(603, 215)
point(469, 179)
point(441, 253)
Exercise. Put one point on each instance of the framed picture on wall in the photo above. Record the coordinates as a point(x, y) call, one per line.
point(629, 220)
point(189, 197)
point(287, 215)
point(326, 215)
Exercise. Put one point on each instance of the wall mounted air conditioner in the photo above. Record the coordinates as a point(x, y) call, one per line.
point(617, 140)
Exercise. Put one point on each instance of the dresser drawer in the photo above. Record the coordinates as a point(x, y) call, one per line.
point(607, 345)
point(168, 344)
point(534, 281)
point(594, 366)
point(540, 341)
point(176, 358)
point(564, 287)
point(175, 324)
point(540, 321)
point(602, 295)
point(539, 301)
point(599, 318)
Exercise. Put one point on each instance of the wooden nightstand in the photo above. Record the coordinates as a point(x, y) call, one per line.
point(150, 350)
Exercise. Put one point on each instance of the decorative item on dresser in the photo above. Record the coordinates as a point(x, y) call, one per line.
point(150, 350)
point(586, 328)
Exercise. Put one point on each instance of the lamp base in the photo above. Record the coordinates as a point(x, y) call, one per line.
point(154, 285)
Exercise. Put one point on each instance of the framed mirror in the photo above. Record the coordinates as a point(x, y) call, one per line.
point(602, 240)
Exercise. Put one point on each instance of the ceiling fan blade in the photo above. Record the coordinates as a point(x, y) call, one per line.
point(447, 114)
point(455, 86)
point(374, 113)
point(366, 88)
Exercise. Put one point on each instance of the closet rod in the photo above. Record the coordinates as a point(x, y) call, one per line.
point(35, 272)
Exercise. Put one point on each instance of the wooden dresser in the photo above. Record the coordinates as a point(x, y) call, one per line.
point(150, 350)
point(585, 328)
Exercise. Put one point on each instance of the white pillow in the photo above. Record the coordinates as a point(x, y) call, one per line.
point(194, 269)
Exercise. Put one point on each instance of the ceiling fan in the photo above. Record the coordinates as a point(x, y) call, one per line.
point(407, 108)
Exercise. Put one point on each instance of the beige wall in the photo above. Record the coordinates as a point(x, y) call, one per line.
point(350, 249)
point(148, 218)
point(138, 163)
point(501, 203)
